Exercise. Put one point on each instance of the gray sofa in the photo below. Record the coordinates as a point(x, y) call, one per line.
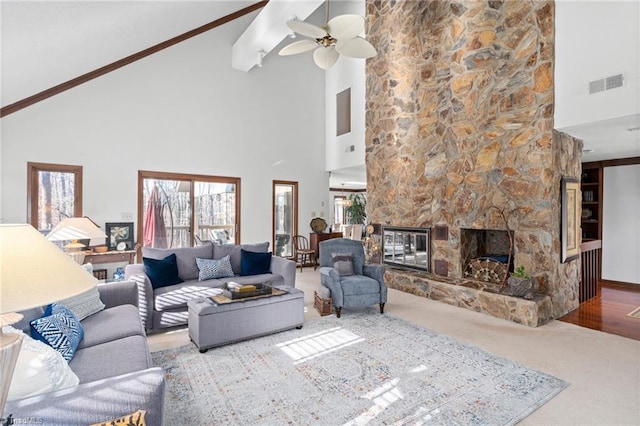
point(113, 364)
point(165, 307)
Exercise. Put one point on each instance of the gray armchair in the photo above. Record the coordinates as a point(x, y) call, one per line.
point(364, 287)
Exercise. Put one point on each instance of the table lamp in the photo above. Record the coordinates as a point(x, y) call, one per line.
point(74, 229)
point(33, 272)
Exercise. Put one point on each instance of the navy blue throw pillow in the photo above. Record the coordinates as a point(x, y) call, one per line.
point(252, 263)
point(162, 272)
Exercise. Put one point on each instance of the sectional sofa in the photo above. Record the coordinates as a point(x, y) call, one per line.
point(166, 306)
point(112, 363)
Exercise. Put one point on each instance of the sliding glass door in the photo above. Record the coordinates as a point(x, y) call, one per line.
point(285, 212)
point(177, 210)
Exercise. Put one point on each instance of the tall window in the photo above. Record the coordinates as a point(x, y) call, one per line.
point(338, 209)
point(285, 212)
point(54, 191)
point(181, 210)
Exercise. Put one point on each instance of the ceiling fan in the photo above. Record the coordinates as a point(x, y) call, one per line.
point(338, 36)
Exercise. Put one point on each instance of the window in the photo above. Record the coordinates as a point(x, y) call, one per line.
point(54, 191)
point(285, 212)
point(180, 210)
point(338, 209)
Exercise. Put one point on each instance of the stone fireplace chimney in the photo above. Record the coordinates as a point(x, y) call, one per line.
point(459, 120)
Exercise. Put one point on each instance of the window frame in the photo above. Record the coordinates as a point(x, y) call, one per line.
point(191, 178)
point(294, 216)
point(33, 187)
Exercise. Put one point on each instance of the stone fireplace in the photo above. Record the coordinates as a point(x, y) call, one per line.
point(459, 129)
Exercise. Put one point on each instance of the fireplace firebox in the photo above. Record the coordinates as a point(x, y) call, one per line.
point(407, 247)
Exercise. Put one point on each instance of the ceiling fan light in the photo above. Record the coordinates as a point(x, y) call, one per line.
point(345, 26)
point(356, 48)
point(325, 57)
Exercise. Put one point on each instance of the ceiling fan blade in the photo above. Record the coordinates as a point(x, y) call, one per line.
point(325, 57)
point(298, 47)
point(345, 26)
point(306, 29)
point(356, 48)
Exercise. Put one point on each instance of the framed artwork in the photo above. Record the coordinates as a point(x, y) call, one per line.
point(119, 235)
point(570, 220)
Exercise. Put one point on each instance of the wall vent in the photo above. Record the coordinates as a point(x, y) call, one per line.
point(607, 83)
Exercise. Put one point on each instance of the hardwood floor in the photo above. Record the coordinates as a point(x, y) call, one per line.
point(608, 311)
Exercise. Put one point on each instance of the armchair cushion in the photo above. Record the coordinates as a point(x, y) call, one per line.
point(359, 284)
point(162, 272)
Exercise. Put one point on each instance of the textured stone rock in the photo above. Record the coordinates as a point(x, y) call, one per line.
point(460, 119)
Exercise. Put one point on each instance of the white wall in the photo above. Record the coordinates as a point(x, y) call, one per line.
point(596, 39)
point(346, 73)
point(182, 110)
point(621, 224)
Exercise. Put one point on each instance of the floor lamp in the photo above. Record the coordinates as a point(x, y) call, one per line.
point(33, 272)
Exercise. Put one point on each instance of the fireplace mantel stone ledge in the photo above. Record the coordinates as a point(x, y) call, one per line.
point(471, 295)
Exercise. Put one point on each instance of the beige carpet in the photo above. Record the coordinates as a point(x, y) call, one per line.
point(635, 313)
point(603, 369)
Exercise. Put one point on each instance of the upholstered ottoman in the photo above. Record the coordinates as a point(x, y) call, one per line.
point(212, 324)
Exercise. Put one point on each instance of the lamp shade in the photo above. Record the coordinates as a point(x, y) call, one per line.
point(34, 272)
point(76, 228)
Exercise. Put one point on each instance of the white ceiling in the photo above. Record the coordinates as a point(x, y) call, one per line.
point(47, 43)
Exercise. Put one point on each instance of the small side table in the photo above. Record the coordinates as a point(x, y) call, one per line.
point(128, 256)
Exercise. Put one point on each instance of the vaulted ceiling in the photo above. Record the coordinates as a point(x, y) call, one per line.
point(46, 43)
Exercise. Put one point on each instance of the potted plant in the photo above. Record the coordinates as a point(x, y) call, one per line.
point(355, 209)
point(520, 283)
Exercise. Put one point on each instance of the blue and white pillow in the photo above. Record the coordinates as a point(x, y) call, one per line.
point(60, 329)
point(214, 268)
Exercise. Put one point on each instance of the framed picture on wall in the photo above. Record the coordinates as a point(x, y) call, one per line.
point(570, 219)
point(119, 235)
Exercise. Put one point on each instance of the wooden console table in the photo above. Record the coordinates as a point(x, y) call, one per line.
point(315, 239)
point(111, 257)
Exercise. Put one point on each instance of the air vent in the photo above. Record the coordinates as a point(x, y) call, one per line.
point(607, 83)
point(614, 81)
point(596, 86)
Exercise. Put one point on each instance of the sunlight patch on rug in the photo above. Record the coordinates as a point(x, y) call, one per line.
point(308, 347)
point(364, 368)
point(635, 313)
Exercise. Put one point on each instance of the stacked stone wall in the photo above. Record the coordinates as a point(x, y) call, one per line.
point(459, 121)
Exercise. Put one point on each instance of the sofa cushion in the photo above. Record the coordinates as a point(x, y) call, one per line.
point(162, 272)
point(252, 263)
point(233, 250)
point(39, 369)
point(214, 268)
point(60, 329)
point(111, 359)
point(185, 258)
point(111, 324)
point(176, 296)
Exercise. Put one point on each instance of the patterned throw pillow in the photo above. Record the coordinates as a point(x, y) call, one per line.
point(343, 263)
point(84, 304)
point(60, 329)
point(214, 268)
point(133, 419)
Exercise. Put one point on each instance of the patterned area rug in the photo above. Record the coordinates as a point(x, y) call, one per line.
point(635, 313)
point(362, 368)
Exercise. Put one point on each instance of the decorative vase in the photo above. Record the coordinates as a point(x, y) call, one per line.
point(521, 287)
